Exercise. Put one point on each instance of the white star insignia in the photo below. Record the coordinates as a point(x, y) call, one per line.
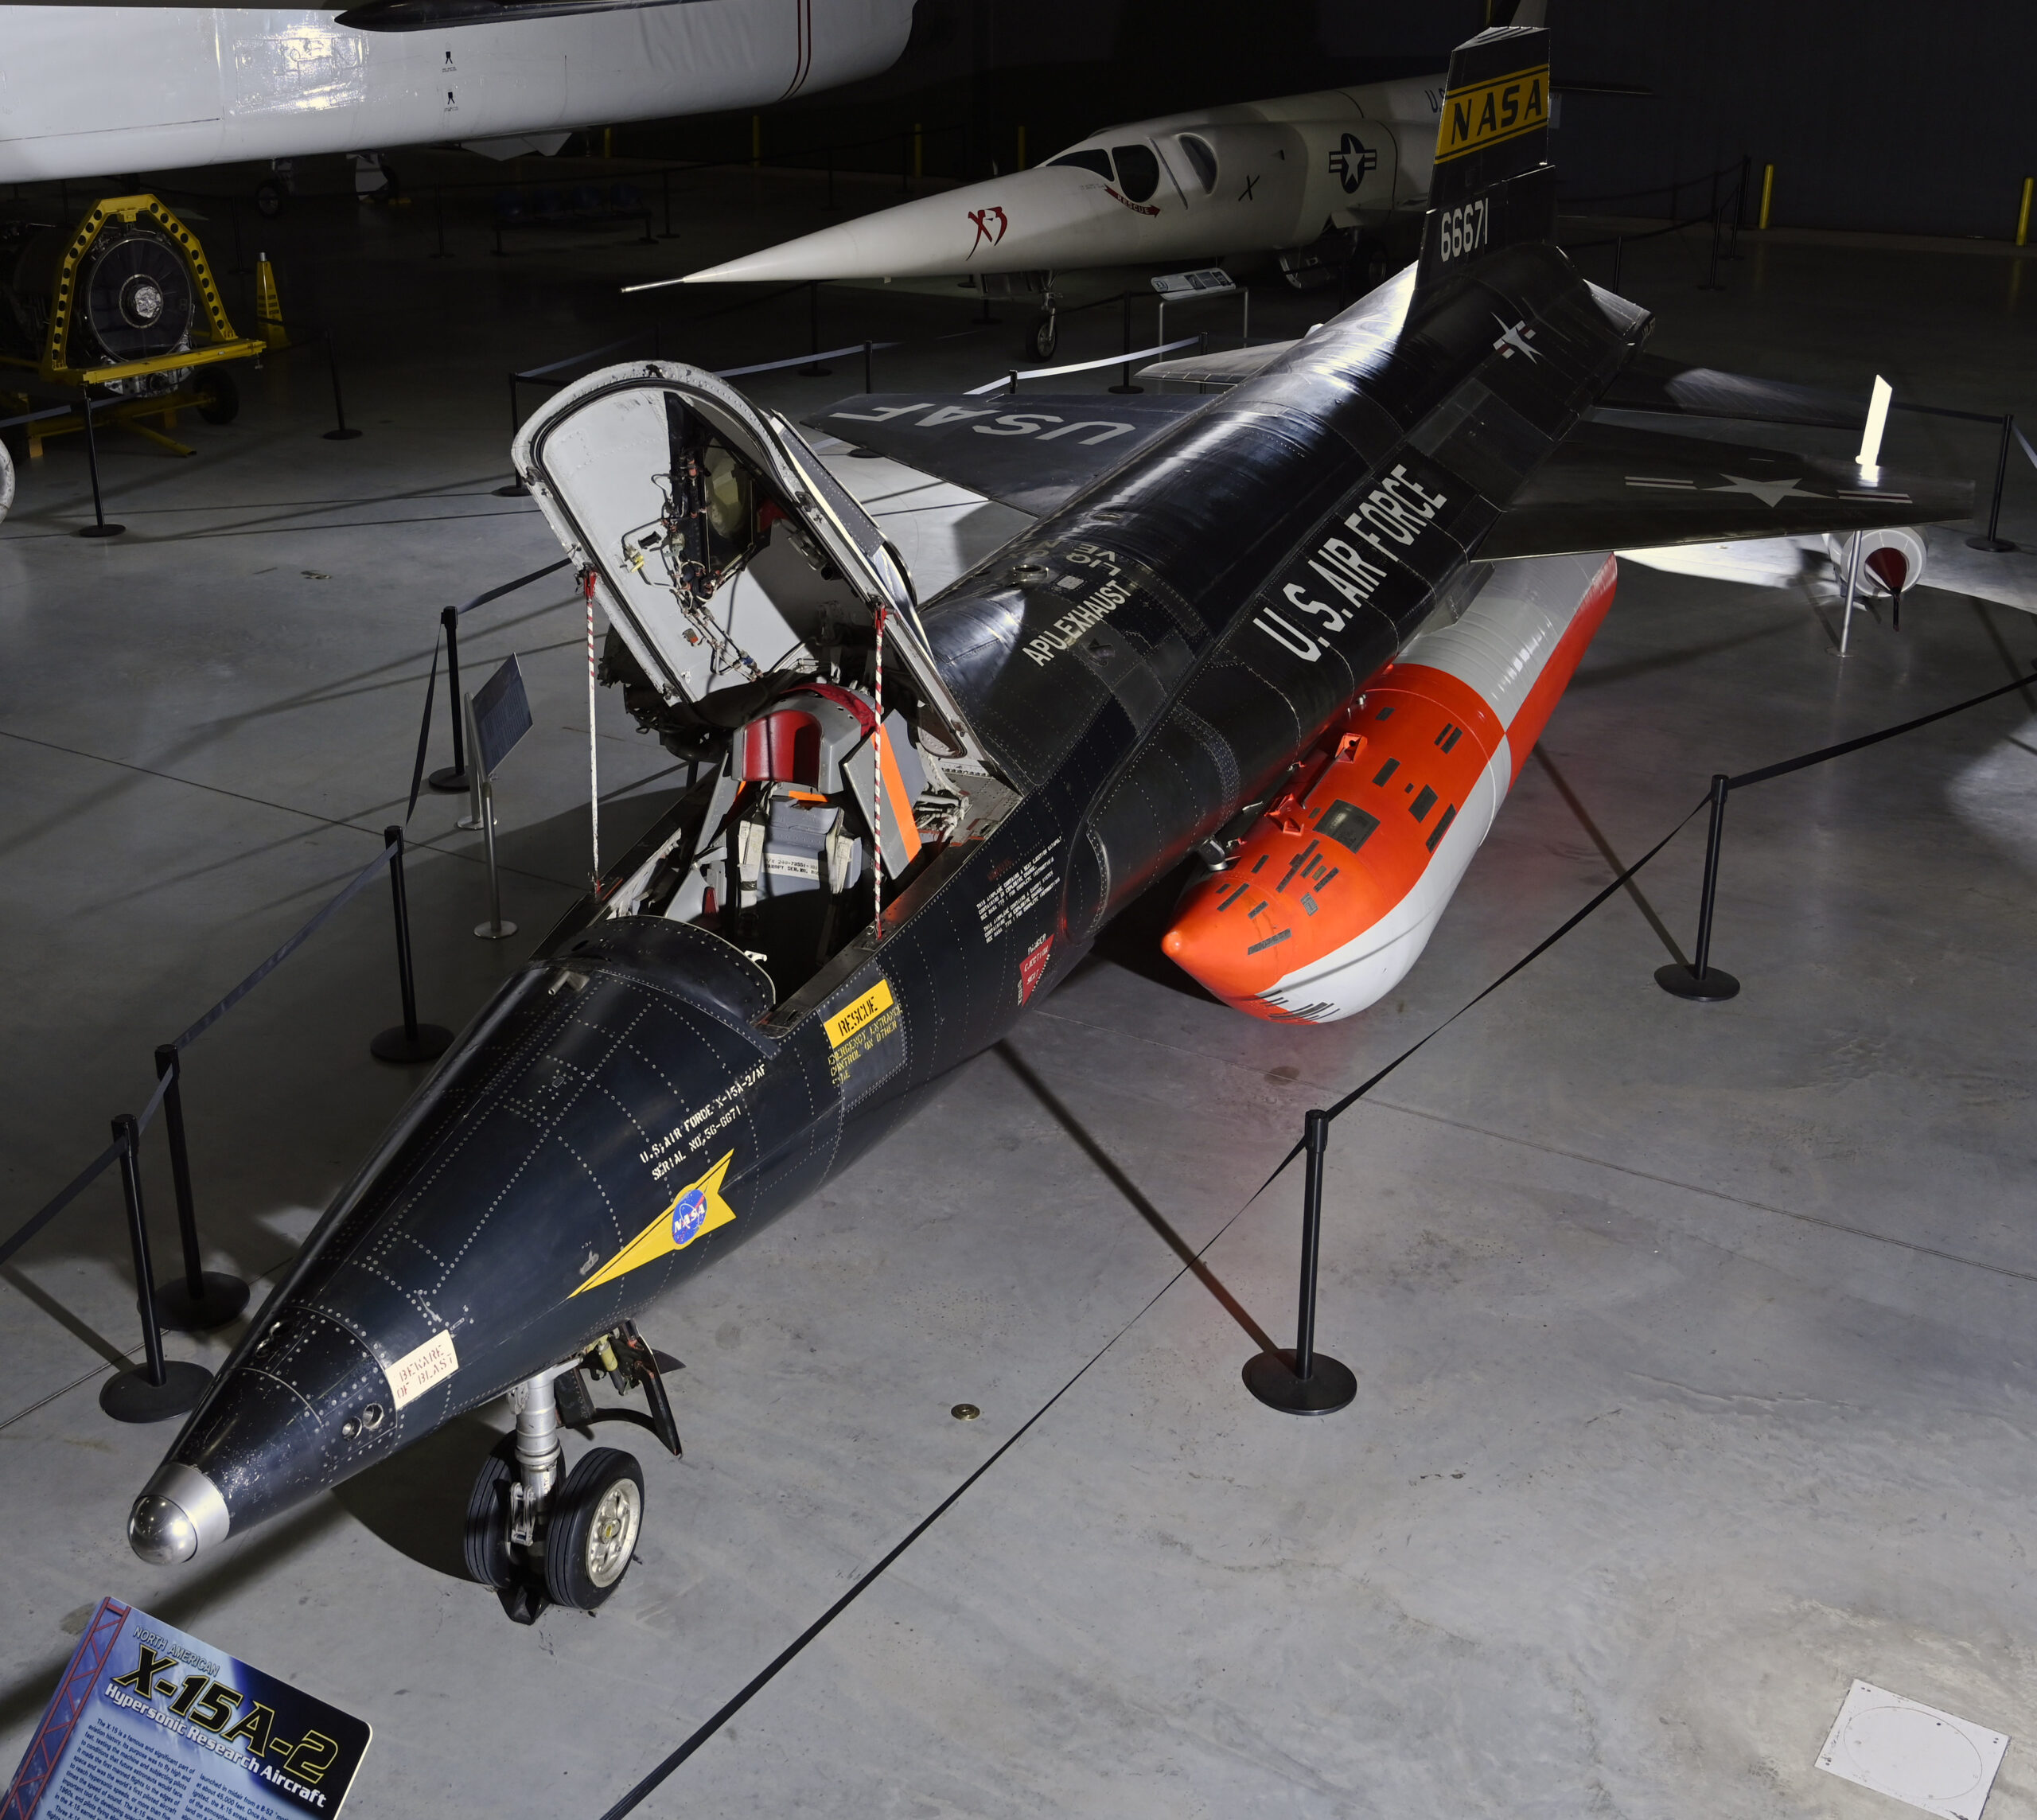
point(1769, 493)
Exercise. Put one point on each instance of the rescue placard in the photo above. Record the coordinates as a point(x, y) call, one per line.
point(865, 1039)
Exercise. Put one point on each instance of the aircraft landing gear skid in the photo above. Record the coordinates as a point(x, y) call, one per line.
point(540, 1542)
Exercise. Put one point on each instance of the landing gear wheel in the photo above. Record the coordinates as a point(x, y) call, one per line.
point(488, 1560)
point(219, 397)
point(595, 1517)
point(1046, 337)
point(269, 197)
point(6, 480)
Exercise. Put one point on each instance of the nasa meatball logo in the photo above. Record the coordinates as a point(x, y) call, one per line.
point(687, 1212)
point(696, 1209)
point(1350, 162)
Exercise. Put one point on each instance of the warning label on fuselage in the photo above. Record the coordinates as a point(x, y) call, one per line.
point(866, 1040)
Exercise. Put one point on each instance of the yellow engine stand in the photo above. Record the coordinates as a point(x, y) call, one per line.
point(216, 340)
point(213, 337)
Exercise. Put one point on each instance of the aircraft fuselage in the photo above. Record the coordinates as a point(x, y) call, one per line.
point(89, 91)
point(1142, 666)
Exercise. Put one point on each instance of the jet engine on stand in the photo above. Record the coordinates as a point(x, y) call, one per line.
point(123, 304)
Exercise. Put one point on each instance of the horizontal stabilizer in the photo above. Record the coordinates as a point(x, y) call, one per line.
point(1030, 451)
point(1649, 382)
point(1610, 488)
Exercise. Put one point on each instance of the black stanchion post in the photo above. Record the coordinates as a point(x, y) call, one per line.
point(813, 369)
point(409, 1041)
point(339, 433)
point(1700, 980)
point(664, 183)
point(1994, 541)
point(1305, 1382)
point(830, 177)
point(1711, 273)
point(516, 489)
point(204, 1299)
point(159, 1390)
point(451, 779)
point(867, 385)
point(99, 526)
point(438, 218)
point(1124, 377)
point(1619, 258)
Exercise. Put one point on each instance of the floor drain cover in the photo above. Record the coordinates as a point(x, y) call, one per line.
point(1916, 1753)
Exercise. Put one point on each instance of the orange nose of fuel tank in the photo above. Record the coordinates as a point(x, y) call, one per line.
point(1346, 844)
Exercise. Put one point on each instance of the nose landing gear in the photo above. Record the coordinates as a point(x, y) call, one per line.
point(539, 1542)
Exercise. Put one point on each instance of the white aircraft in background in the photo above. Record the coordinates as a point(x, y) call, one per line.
point(1302, 176)
point(1260, 177)
point(94, 91)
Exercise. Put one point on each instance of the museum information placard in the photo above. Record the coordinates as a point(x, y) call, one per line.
point(150, 1720)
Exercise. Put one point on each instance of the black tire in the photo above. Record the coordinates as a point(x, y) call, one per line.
point(489, 1562)
point(270, 197)
point(219, 397)
point(1045, 337)
point(596, 1517)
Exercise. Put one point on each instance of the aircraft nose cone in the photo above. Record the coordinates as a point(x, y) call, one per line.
point(179, 1510)
point(160, 1532)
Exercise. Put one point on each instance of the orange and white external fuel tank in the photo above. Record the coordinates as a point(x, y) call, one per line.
point(1334, 892)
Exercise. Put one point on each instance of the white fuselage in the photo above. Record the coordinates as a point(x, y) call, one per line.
point(1254, 178)
point(98, 90)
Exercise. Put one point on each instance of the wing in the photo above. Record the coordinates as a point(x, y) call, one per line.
point(1031, 451)
point(1609, 488)
point(1649, 382)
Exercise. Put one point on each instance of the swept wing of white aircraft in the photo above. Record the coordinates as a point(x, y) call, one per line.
point(96, 90)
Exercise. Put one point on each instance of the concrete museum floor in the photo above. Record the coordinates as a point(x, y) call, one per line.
point(1692, 1341)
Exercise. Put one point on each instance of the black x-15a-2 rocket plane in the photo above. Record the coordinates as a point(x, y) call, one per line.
point(1274, 619)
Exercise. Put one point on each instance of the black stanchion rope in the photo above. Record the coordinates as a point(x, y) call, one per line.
point(83, 1180)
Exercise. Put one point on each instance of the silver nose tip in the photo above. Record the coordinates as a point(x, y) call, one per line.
point(179, 1512)
point(159, 1531)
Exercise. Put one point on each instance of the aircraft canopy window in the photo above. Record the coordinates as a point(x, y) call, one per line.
point(1138, 171)
point(1098, 162)
point(1202, 158)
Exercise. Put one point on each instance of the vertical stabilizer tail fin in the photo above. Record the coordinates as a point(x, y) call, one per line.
point(1493, 186)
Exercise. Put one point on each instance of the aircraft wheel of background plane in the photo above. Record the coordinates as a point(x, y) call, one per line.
point(6, 473)
point(1046, 337)
point(270, 197)
point(592, 1535)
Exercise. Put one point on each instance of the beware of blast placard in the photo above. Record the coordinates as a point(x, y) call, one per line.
point(148, 1720)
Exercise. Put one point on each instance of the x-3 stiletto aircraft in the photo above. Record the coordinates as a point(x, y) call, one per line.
point(1327, 181)
point(1305, 628)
